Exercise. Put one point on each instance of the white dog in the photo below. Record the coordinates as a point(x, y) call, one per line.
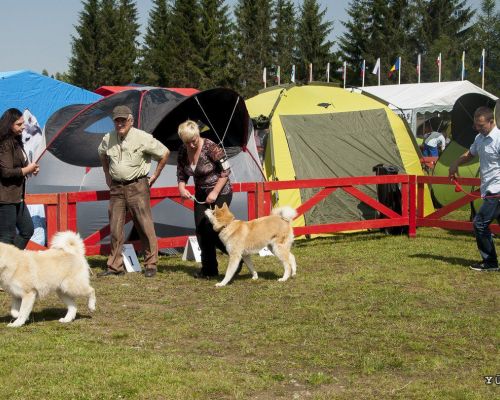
point(63, 269)
point(243, 238)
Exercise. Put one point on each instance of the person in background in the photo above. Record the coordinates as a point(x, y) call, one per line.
point(206, 162)
point(434, 142)
point(126, 154)
point(487, 146)
point(16, 225)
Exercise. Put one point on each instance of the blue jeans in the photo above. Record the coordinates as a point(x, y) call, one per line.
point(14, 216)
point(487, 213)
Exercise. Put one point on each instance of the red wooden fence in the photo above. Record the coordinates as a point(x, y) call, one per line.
point(61, 208)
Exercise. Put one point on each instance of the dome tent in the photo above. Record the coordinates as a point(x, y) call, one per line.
point(321, 131)
point(73, 134)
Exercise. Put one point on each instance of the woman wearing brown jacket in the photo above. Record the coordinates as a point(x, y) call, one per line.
point(14, 168)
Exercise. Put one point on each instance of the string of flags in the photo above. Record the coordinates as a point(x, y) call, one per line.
point(395, 68)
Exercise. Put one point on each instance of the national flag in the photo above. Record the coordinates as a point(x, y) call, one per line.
point(395, 67)
point(363, 68)
point(463, 66)
point(481, 62)
point(376, 68)
point(419, 61)
point(438, 60)
point(278, 75)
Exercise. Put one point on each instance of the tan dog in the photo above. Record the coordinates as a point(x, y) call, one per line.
point(242, 238)
point(63, 269)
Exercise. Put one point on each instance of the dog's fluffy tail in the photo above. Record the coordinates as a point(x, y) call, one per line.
point(68, 241)
point(287, 213)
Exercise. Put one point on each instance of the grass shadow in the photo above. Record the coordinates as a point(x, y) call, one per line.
point(449, 260)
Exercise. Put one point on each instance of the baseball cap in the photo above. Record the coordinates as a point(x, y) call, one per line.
point(121, 112)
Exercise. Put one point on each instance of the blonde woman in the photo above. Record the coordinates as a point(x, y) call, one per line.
point(206, 162)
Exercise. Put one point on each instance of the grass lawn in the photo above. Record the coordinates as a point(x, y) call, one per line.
point(368, 316)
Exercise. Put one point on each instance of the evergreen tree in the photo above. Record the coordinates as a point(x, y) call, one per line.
point(107, 49)
point(284, 37)
point(185, 44)
point(84, 63)
point(156, 52)
point(45, 72)
point(126, 48)
point(312, 39)
point(441, 28)
point(217, 45)
point(486, 36)
point(254, 43)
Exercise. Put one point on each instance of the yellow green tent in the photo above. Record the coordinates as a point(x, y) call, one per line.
point(321, 131)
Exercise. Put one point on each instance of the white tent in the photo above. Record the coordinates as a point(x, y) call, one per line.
point(411, 99)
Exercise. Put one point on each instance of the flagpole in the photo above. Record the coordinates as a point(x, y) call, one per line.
point(363, 73)
point(483, 68)
point(419, 65)
point(310, 72)
point(279, 75)
point(399, 71)
point(328, 72)
point(264, 76)
point(378, 72)
point(345, 72)
point(439, 68)
point(463, 65)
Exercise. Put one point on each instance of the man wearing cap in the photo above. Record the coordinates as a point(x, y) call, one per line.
point(126, 154)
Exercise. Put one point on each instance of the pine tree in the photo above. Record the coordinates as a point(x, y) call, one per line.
point(217, 45)
point(284, 37)
point(254, 43)
point(84, 63)
point(442, 28)
point(156, 52)
point(126, 48)
point(312, 39)
point(486, 36)
point(185, 45)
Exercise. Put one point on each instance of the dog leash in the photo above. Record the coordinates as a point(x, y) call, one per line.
point(192, 197)
point(458, 188)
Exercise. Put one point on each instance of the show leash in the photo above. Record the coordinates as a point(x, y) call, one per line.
point(458, 188)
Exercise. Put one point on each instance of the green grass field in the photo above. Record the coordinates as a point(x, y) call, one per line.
point(368, 316)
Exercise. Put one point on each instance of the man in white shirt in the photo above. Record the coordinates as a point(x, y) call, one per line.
point(487, 146)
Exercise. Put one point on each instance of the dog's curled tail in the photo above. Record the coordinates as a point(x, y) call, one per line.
point(287, 213)
point(68, 241)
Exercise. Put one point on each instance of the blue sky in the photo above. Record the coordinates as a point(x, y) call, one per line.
point(36, 34)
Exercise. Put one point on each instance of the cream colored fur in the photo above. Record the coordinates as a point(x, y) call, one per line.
point(27, 275)
point(243, 238)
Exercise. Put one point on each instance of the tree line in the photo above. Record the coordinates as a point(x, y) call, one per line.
point(204, 44)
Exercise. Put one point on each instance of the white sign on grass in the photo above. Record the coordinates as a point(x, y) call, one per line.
point(130, 258)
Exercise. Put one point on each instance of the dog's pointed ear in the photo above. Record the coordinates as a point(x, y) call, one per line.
point(216, 207)
point(224, 206)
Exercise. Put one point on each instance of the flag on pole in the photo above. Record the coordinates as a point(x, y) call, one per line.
point(395, 67)
point(264, 77)
point(292, 78)
point(328, 72)
point(463, 65)
point(278, 75)
point(345, 72)
point(419, 66)
point(481, 62)
point(438, 63)
point(363, 68)
point(310, 72)
point(376, 70)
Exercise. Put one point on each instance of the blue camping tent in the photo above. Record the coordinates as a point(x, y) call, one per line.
point(40, 94)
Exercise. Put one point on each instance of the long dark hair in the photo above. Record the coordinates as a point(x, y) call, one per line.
point(6, 120)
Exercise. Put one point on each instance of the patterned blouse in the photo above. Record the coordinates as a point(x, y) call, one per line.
point(208, 170)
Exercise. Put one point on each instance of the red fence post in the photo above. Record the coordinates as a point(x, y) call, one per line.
point(412, 199)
